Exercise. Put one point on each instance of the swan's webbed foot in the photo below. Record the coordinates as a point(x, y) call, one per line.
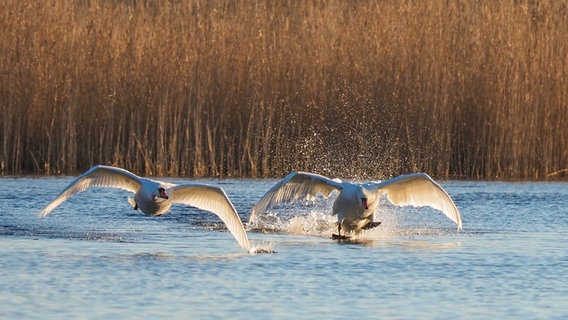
point(339, 237)
point(371, 225)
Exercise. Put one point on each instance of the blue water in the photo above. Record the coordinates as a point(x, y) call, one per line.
point(96, 258)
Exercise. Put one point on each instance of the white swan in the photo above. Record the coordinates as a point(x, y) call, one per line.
point(356, 203)
point(154, 198)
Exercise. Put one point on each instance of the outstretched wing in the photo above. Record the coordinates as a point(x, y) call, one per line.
point(215, 200)
point(296, 185)
point(419, 190)
point(97, 176)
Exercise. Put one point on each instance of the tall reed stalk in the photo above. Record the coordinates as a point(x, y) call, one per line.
point(462, 89)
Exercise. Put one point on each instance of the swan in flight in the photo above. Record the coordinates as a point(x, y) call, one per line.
point(356, 203)
point(155, 198)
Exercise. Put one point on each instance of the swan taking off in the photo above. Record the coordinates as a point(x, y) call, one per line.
point(155, 198)
point(356, 203)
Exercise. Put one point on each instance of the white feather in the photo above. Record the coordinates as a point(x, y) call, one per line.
point(97, 176)
point(295, 186)
point(212, 199)
point(418, 190)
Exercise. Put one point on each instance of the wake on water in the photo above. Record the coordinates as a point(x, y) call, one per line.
point(307, 219)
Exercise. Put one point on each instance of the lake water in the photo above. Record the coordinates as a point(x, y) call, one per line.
point(96, 258)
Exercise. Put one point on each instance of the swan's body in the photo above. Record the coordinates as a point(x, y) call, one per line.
point(155, 198)
point(356, 203)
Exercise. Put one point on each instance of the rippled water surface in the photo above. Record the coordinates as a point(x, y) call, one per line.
point(95, 257)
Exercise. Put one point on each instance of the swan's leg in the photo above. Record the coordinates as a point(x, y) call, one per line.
point(135, 206)
point(338, 236)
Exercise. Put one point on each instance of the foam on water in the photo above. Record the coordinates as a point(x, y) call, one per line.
point(395, 223)
point(262, 248)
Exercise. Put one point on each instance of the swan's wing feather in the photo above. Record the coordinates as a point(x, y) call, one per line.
point(419, 190)
point(215, 200)
point(297, 185)
point(97, 176)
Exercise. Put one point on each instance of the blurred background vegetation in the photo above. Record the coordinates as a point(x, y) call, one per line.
point(364, 89)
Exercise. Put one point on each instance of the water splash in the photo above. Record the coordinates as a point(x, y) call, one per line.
point(295, 222)
point(262, 248)
point(396, 223)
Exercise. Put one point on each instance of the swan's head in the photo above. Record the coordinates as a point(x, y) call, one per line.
point(362, 199)
point(161, 194)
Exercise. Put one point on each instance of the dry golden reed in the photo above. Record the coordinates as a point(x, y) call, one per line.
point(370, 89)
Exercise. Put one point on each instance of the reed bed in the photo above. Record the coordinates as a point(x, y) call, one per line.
point(363, 89)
